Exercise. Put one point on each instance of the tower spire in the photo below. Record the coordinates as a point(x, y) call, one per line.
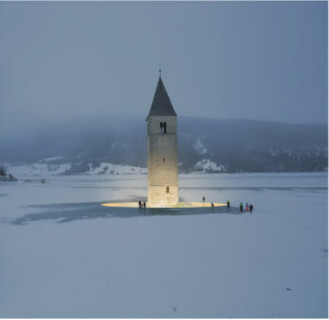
point(161, 105)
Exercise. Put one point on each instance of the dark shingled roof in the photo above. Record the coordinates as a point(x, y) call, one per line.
point(161, 105)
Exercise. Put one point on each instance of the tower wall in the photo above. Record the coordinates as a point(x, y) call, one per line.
point(162, 162)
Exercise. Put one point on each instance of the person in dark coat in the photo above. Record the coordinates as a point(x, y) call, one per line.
point(228, 203)
point(241, 206)
point(144, 204)
point(212, 205)
point(139, 204)
point(251, 207)
point(204, 198)
point(161, 126)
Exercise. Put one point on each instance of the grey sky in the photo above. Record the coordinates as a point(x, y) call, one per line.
point(254, 60)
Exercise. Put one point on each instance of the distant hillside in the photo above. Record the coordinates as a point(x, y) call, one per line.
point(204, 145)
point(254, 146)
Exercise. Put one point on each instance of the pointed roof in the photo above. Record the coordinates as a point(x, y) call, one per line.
point(161, 105)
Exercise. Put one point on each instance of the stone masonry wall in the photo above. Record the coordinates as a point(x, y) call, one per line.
point(162, 162)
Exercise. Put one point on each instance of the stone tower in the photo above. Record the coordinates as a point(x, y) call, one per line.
point(162, 171)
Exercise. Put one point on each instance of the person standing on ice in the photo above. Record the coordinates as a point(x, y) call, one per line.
point(247, 206)
point(204, 198)
point(251, 207)
point(228, 203)
point(241, 206)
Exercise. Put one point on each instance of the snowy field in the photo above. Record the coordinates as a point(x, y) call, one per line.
point(64, 255)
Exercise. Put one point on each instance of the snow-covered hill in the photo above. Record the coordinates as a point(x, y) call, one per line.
point(110, 168)
point(38, 169)
point(43, 169)
point(206, 166)
point(204, 145)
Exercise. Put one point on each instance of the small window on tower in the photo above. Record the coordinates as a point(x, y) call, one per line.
point(167, 189)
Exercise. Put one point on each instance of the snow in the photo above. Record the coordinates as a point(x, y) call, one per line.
point(110, 168)
point(41, 169)
point(64, 255)
point(199, 147)
point(206, 165)
point(274, 153)
point(52, 159)
point(38, 169)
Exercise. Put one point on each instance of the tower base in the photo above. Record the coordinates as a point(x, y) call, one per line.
point(162, 196)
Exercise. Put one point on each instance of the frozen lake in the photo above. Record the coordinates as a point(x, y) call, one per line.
point(64, 255)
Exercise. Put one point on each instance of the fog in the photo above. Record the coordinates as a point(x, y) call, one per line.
point(76, 60)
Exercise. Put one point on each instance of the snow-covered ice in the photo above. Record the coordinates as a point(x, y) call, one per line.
point(64, 255)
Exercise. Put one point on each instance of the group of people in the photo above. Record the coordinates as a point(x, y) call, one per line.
point(249, 207)
point(141, 204)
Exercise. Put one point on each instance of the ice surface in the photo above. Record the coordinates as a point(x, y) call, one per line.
point(64, 255)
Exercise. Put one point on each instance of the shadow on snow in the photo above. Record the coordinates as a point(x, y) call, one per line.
point(81, 211)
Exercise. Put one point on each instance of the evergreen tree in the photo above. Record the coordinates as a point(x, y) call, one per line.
point(3, 172)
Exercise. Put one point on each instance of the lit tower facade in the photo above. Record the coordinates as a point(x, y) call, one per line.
point(162, 171)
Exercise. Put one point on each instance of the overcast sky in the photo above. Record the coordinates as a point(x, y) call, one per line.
point(254, 60)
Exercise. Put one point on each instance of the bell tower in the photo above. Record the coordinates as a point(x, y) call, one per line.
point(162, 171)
